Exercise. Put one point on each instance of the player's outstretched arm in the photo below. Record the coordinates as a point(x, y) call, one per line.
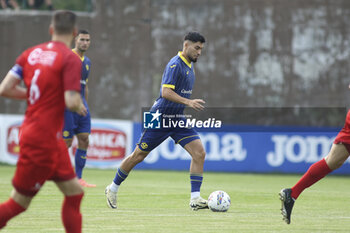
point(171, 95)
point(74, 102)
point(10, 87)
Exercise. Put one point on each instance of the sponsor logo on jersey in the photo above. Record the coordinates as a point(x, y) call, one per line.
point(183, 91)
point(41, 57)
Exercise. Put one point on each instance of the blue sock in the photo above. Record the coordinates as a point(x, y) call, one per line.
point(120, 176)
point(80, 160)
point(196, 182)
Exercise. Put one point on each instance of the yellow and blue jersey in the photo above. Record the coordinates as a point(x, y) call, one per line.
point(179, 76)
point(84, 72)
point(73, 122)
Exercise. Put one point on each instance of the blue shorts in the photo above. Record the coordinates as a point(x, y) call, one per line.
point(150, 139)
point(75, 124)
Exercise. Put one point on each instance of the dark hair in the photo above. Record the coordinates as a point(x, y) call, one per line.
point(64, 22)
point(194, 37)
point(83, 31)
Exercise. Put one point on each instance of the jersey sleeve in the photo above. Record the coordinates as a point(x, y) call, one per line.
point(170, 76)
point(71, 73)
point(88, 69)
point(17, 69)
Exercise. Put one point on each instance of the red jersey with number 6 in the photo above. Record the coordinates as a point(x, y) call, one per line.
point(47, 70)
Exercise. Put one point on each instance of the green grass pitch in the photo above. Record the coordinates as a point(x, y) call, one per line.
point(157, 201)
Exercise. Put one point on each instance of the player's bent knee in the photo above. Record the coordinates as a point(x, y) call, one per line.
point(337, 156)
point(83, 141)
point(335, 164)
point(200, 154)
point(70, 187)
point(68, 142)
point(139, 155)
point(76, 189)
point(21, 199)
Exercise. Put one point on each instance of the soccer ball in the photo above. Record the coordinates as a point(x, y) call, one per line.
point(219, 201)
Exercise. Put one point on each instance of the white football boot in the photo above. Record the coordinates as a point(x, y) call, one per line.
point(111, 198)
point(198, 203)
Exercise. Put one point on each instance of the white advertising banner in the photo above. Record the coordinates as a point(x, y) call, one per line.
point(9, 140)
point(110, 141)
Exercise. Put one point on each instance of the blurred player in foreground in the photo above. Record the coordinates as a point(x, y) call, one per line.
point(51, 72)
point(75, 124)
point(176, 89)
point(335, 159)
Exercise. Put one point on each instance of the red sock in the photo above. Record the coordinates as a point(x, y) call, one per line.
point(8, 210)
point(71, 216)
point(316, 172)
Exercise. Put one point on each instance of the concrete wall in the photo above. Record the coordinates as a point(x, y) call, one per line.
point(259, 53)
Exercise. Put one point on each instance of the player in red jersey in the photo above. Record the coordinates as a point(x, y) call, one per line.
point(338, 154)
point(51, 72)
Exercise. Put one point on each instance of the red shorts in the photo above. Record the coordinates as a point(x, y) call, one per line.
point(37, 165)
point(343, 136)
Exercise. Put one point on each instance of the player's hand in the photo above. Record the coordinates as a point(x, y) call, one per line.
point(82, 110)
point(196, 104)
